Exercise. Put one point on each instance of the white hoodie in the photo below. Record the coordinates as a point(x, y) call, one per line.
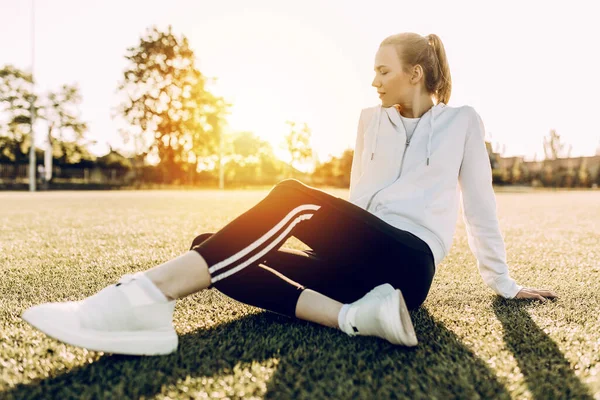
point(415, 185)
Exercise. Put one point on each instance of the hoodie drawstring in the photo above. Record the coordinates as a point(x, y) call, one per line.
point(430, 134)
point(374, 140)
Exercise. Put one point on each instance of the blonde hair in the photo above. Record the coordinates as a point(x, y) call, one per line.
point(428, 52)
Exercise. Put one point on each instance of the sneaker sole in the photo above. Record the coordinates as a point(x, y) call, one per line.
point(404, 331)
point(139, 343)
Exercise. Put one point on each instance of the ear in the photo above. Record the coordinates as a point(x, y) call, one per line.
point(416, 74)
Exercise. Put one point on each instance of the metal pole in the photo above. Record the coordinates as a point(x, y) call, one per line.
point(32, 166)
point(221, 170)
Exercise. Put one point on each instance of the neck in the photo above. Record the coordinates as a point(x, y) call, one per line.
point(415, 108)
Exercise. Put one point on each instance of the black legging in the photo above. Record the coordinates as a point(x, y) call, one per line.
point(352, 252)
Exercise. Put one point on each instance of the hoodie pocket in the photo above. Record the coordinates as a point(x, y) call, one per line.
point(401, 202)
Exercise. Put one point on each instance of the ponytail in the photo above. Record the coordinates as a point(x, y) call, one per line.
point(428, 52)
point(442, 80)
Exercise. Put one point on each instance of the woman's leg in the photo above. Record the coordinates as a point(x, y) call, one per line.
point(247, 287)
point(305, 268)
point(358, 251)
point(289, 270)
point(375, 314)
point(250, 285)
point(354, 245)
point(181, 276)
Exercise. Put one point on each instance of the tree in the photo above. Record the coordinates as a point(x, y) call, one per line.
point(335, 171)
point(250, 159)
point(59, 109)
point(494, 156)
point(207, 127)
point(168, 108)
point(61, 112)
point(553, 148)
point(246, 144)
point(516, 172)
point(583, 174)
point(297, 143)
point(16, 96)
point(114, 160)
point(324, 171)
point(72, 153)
point(345, 167)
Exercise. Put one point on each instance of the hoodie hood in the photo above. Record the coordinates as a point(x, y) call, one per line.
point(394, 118)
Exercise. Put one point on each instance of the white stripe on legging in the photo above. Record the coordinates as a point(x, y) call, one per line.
point(274, 243)
point(264, 237)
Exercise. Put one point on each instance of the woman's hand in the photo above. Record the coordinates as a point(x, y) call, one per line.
point(531, 293)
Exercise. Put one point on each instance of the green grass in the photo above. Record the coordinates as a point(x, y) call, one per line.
point(59, 246)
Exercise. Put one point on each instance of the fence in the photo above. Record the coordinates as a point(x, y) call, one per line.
point(12, 171)
point(18, 173)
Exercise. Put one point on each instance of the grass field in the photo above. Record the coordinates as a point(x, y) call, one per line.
point(59, 246)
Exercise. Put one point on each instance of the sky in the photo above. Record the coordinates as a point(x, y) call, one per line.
point(525, 66)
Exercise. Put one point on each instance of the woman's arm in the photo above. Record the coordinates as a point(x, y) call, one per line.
point(479, 212)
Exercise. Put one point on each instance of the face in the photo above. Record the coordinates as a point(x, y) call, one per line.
point(393, 84)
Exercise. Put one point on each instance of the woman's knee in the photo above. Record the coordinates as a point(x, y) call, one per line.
point(287, 186)
point(199, 239)
point(291, 182)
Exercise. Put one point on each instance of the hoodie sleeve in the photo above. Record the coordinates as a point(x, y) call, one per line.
point(356, 169)
point(479, 212)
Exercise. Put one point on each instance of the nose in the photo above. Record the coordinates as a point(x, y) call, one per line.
point(375, 83)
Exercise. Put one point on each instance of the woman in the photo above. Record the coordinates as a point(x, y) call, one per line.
point(372, 258)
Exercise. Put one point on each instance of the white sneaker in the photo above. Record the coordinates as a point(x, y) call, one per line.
point(121, 318)
point(383, 313)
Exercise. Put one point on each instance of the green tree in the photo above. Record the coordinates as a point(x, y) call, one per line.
point(516, 172)
point(62, 115)
point(335, 171)
point(246, 144)
point(250, 160)
point(345, 167)
point(270, 166)
point(169, 111)
point(115, 160)
point(59, 109)
point(297, 143)
point(583, 174)
point(554, 148)
point(16, 96)
point(323, 173)
point(71, 153)
point(207, 127)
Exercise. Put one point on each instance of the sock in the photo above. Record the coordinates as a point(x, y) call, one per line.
point(150, 288)
point(342, 319)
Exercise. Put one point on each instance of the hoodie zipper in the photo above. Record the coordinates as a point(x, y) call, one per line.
point(401, 163)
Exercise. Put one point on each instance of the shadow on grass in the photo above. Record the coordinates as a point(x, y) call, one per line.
point(545, 369)
point(312, 362)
